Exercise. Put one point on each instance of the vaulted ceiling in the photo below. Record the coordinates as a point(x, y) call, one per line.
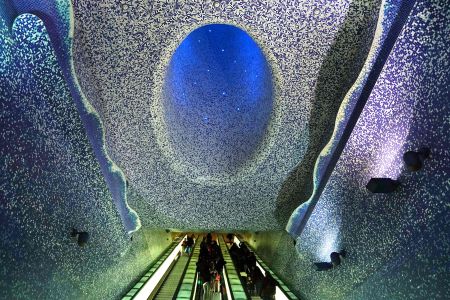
point(228, 167)
point(123, 117)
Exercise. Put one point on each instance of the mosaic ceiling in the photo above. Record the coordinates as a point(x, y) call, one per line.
point(238, 139)
point(122, 114)
point(189, 165)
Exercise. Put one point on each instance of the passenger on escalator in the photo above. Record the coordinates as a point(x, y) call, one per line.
point(244, 249)
point(234, 251)
point(230, 238)
point(209, 266)
point(219, 264)
point(242, 258)
point(268, 287)
point(203, 270)
point(203, 243)
point(204, 254)
point(183, 246)
point(215, 249)
point(251, 260)
point(257, 277)
point(189, 244)
point(215, 282)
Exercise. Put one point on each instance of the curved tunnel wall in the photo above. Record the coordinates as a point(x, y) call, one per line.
point(52, 181)
point(58, 20)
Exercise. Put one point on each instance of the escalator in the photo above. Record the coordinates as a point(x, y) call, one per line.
point(170, 285)
point(187, 286)
point(169, 289)
point(169, 277)
point(174, 276)
point(282, 290)
point(235, 287)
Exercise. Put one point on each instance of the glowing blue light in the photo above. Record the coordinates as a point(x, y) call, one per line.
point(206, 73)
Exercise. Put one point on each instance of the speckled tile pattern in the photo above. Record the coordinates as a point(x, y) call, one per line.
point(57, 171)
point(51, 182)
point(398, 244)
point(306, 194)
point(121, 52)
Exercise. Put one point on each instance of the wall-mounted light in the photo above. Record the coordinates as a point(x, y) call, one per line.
point(336, 259)
point(382, 185)
point(414, 159)
point(82, 237)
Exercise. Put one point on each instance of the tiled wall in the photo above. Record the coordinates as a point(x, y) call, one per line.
point(51, 182)
point(397, 244)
